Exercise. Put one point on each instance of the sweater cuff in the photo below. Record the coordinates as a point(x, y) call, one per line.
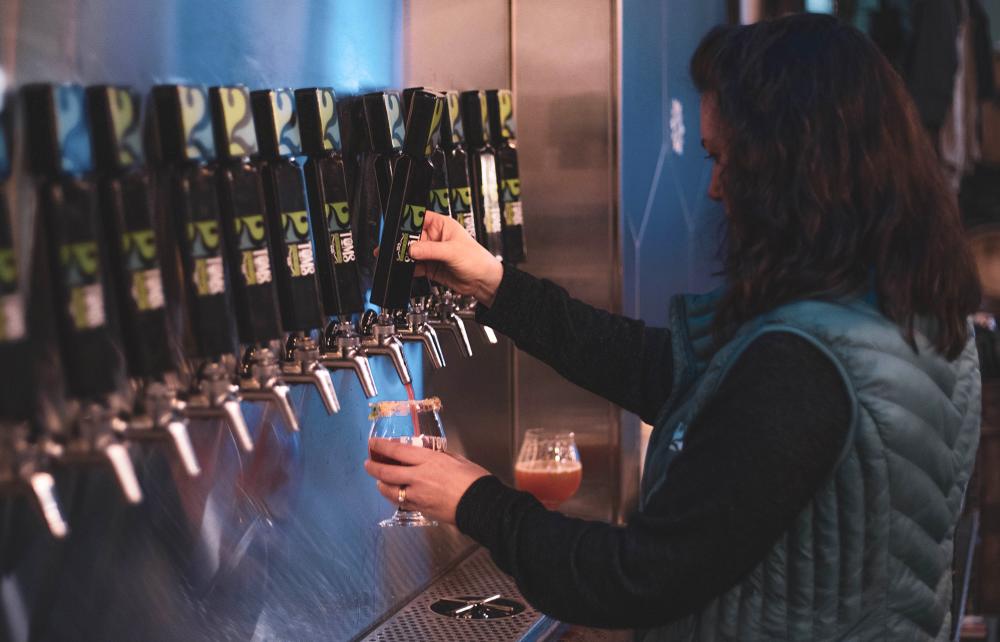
point(476, 513)
point(513, 285)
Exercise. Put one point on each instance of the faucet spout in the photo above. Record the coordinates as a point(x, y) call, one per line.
point(343, 351)
point(157, 416)
point(380, 337)
point(301, 364)
point(214, 397)
point(260, 380)
point(24, 467)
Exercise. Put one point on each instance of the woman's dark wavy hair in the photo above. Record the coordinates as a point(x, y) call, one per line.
point(831, 185)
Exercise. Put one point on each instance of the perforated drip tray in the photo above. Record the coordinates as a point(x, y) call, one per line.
point(458, 608)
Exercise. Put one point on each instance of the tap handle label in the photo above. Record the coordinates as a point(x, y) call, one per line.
point(184, 124)
point(276, 122)
point(114, 120)
point(58, 138)
point(232, 119)
point(292, 245)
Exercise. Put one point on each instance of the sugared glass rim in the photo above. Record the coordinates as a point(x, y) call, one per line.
point(405, 407)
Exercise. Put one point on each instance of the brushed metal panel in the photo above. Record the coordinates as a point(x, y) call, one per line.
point(456, 45)
point(565, 93)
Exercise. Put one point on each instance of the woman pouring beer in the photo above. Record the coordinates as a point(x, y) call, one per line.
point(815, 419)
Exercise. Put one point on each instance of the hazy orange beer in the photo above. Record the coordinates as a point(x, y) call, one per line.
point(548, 466)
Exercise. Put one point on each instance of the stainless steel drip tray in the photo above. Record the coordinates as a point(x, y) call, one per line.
point(475, 578)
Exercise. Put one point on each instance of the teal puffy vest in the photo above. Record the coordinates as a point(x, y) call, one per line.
point(869, 558)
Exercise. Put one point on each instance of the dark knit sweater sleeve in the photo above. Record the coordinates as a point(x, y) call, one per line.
point(752, 459)
point(613, 356)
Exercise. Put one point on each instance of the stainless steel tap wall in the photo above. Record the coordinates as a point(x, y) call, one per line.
point(279, 544)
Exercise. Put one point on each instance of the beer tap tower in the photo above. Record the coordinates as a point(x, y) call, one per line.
point(195, 256)
point(292, 256)
point(387, 138)
point(24, 462)
point(126, 202)
point(241, 204)
point(435, 298)
point(71, 268)
point(336, 258)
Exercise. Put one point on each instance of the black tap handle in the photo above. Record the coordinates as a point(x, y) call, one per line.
point(329, 206)
point(404, 215)
point(59, 154)
point(500, 107)
point(482, 171)
point(127, 208)
point(456, 164)
point(292, 254)
point(15, 384)
point(243, 210)
point(184, 129)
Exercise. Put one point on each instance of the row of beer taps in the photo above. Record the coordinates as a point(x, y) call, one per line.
point(189, 261)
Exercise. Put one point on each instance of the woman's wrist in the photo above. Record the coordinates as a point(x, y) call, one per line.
point(486, 288)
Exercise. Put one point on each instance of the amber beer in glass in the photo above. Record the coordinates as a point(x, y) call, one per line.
point(414, 422)
point(548, 466)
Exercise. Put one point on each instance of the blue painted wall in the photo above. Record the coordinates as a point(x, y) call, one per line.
point(669, 227)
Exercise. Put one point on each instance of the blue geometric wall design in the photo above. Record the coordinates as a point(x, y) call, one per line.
point(669, 226)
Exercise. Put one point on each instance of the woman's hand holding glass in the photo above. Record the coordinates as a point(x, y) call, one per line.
point(434, 481)
point(447, 254)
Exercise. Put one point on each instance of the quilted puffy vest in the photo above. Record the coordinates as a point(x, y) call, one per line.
point(869, 558)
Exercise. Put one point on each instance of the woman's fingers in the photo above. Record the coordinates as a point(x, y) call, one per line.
point(398, 475)
point(431, 250)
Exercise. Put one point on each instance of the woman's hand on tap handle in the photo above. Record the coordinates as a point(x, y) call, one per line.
point(447, 254)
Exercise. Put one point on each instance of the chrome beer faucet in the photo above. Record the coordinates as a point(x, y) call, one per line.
point(301, 364)
point(414, 325)
point(444, 316)
point(380, 337)
point(214, 396)
point(466, 309)
point(158, 415)
point(261, 380)
point(343, 349)
point(24, 468)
